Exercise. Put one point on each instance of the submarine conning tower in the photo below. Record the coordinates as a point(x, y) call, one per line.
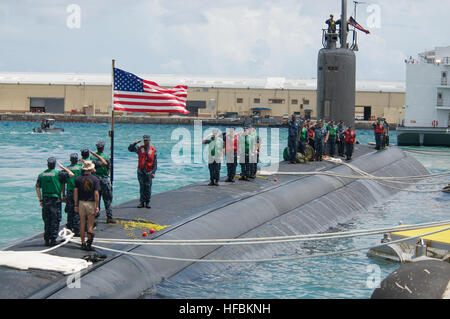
point(336, 68)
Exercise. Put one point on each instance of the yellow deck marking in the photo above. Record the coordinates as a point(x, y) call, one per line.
point(442, 237)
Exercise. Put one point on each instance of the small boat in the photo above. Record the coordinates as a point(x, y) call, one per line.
point(47, 126)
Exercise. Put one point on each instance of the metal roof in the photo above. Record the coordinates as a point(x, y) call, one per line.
point(193, 81)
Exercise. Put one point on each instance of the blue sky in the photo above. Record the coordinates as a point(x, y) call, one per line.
point(249, 38)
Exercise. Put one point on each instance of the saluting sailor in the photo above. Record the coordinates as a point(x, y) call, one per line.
point(147, 165)
point(102, 166)
point(215, 156)
point(73, 219)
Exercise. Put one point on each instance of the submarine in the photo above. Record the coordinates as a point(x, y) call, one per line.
point(279, 206)
point(289, 206)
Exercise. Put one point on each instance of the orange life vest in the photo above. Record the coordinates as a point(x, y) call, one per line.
point(231, 143)
point(379, 128)
point(146, 159)
point(349, 136)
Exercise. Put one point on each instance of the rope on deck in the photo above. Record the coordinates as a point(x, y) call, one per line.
point(269, 240)
point(377, 179)
point(279, 259)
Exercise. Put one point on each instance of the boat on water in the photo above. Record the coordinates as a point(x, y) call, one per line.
point(48, 126)
point(427, 105)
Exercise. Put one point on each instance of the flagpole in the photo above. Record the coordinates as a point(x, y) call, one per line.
point(111, 133)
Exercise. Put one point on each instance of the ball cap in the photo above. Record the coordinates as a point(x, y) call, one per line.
point(84, 151)
point(51, 160)
point(74, 156)
point(146, 137)
point(100, 144)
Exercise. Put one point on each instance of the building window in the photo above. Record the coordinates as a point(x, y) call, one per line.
point(440, 102)
point(294, 102)
point(276, 101)
point(239, 100)
point(256, 100)
point(305, 101)
point(444, 78)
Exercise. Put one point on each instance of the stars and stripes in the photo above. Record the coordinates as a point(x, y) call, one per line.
point(133, 94)
point(353, 22)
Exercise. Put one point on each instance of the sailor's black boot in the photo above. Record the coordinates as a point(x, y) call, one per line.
point(89, 242)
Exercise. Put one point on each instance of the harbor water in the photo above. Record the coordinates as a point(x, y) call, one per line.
point(23, 156)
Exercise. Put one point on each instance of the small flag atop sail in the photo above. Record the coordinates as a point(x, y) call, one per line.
point(353, 22)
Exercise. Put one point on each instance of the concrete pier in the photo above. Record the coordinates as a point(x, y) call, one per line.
point(174, 120)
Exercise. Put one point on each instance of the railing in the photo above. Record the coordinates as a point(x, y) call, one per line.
point(337, 33)
point(443, 104)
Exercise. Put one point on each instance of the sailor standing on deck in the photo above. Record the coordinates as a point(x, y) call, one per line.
point(254, 155)
point(311, 127)
point(378, 131)
point(244, 154)
point(50, 182)
point(385, 133)
point(330, 138)
point(350, 139)
point(147, 165)
point(86, 198)
point(102, 165)
point(215, 155)
point(293, 130)
point(231, 141)
point(341, 137)
point(303, 138)
point(318, 140)
point(73, 219)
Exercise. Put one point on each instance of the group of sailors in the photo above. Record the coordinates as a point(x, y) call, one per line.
point(243, 148)
point(381, 132)
point(83, 184)
point(322, 137)
point(80, 185)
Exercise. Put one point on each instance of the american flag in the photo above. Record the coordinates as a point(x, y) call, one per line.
point(353, 22)
point(133, 94)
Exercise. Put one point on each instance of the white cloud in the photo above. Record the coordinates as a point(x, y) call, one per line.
point(229, 37)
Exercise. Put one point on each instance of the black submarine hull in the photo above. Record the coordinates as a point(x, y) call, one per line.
point(292, 205)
